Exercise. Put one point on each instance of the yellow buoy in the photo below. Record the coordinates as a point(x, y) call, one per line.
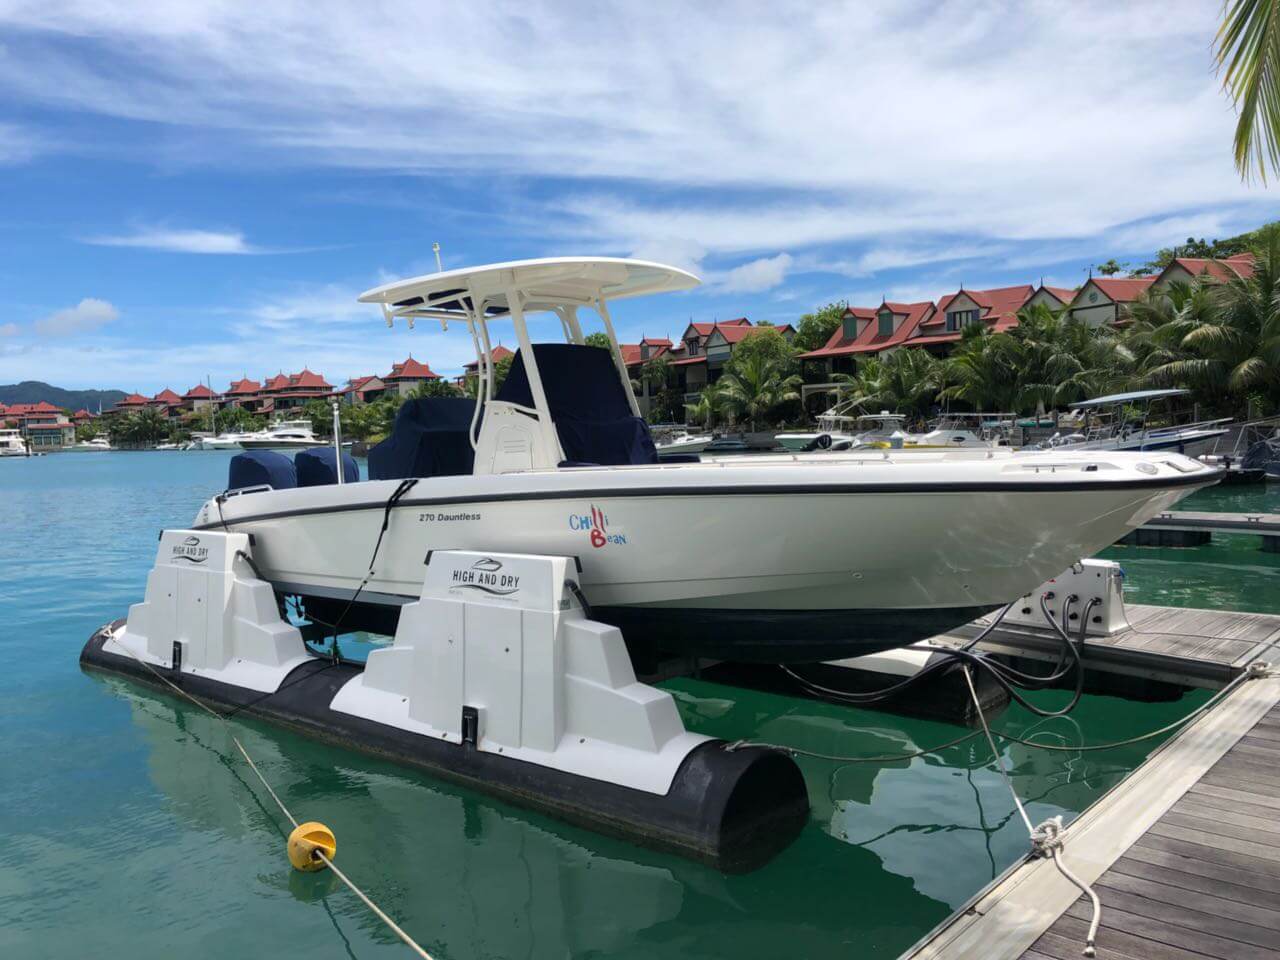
point(306, 840)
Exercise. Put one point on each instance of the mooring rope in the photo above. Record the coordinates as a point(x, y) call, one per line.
point(351, 885)
point(1046, 839)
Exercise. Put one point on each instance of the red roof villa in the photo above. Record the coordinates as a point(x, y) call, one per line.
point(405, 377)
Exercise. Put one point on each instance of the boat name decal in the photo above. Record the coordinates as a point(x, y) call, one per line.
point(596, 524)
point(446, 517)
point(486, 576)
point(190, 550)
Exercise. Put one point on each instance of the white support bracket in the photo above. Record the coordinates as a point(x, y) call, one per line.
point(498, 653)
point(205, 608)
point(1100, 580)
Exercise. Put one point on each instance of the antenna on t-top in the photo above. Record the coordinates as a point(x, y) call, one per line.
point(435, 248)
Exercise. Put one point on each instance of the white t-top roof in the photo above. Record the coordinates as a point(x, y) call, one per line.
point(545, 284)
point(1133, 397)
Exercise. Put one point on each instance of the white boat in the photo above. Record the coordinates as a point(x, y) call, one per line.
point(1110, 424)
point(684, 442)
point(780, 558)
point(12, 444)
point(953, 431)
point(283, 435)
point(96, 443)
point(837, 430)
point(226, 441)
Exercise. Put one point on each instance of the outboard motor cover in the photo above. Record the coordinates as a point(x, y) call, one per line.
point(254, 468)
point(317, 467)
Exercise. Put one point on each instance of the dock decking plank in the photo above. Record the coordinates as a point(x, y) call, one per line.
point(1209, 878)
point(1171, 934)
point(1119, 943)
point(1216, 905)
point(1209, 853)
point(1258, 832)
point(1237, 794)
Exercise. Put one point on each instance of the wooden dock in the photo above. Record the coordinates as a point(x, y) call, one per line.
point(1206, 648)
point(1204, 880)
point(1190, 528)
point(1160, 848)
point(1185, 852)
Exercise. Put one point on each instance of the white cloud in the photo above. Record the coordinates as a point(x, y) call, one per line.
point(180, 241)
point(756, 276)
point(9, 329)
point(86, 316)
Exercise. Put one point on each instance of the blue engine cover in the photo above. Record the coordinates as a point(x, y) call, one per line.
point(317, 466)
point(253, 468)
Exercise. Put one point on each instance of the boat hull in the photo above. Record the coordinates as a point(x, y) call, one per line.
point(737, 570)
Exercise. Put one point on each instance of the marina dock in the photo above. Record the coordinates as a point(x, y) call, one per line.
point(1190, 528)
point(1185, 852)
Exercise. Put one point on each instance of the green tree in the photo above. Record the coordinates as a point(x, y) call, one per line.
point(1111, 268)
point(708, 410)
point(237, 420)
point(142, 428)
point(906, 381)
point(598, 339)
point(471, 386)
point(813, 330)
point(435, 388)
point(760, 378)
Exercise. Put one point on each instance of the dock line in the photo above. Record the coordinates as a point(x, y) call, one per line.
point(320, 854)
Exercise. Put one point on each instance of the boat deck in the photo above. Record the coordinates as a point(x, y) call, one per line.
point(1185, 852)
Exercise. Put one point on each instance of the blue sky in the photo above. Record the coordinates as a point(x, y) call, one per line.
point(202, 189)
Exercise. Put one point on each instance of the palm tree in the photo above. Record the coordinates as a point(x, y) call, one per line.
point(1221, 339)
point(1248, 55)
point(756, 387)
point(906, 381)
point(706, 408)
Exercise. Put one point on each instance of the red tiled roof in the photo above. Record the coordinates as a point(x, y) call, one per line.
point(244, 386)
point(80, 414)
point(630, 353)
point(737, 332)
point(999, 306)
point(838, 344)
point(688, 360)
point(279, 382)
point(28, 409)
point(308, 379)
point(411, 369)
point(166, 396)
point(1062, 293)
point(133, 400)
point(1121, 289)
point(198, 392)
point(656, 341)
point(497, 353)
point(1228, 268)
point(358, 384)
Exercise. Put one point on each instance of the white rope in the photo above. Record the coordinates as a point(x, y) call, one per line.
point(395, 927)
point(1046, 839)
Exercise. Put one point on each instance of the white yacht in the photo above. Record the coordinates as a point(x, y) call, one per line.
point(99, 444)
point(283, 435)
point(1122, 421)
point(12, 444)
point(227, 441)
point(782, 558)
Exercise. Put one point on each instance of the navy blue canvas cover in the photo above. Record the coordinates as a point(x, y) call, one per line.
point(317, 466)
point(253, 468)
point(587, 402)
point(430, 438)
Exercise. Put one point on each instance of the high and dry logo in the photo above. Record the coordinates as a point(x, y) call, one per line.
point(486, 575)
point(597, 526)
point(190, 550)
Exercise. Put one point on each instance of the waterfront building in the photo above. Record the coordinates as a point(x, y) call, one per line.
point(243, 393)
point(866, 331)
point(705, 348)
point(198, 399)
point(634, 357)
point(1107, 299)
point(167, 402)
point(407, 376)
point(44, 426)
point(289, 391)
point(362, 390)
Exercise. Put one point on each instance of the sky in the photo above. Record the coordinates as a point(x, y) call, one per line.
point(199, 190)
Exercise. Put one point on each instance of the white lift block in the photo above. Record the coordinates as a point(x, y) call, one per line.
point(499, 653)
point(205, 608)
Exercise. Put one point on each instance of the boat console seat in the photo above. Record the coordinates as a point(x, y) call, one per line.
point(257, 468)
point(431, 437)
point(317, 467)
point(587, 401)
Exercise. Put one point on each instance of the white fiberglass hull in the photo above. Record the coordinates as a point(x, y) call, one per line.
point(286, 444)
point(686, 445)
point(801, 442)
point(781, 558)
point(1190, 443)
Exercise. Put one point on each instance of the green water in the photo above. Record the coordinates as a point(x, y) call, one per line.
point(128, 832)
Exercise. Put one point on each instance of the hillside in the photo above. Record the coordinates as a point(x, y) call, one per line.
point(33, 391)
